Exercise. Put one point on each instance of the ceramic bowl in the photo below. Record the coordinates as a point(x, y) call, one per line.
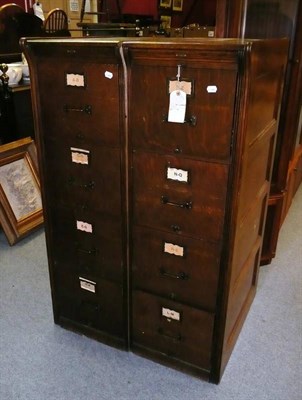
point(25, 70)
point(15, 73)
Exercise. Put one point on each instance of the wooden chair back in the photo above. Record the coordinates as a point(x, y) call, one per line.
point(10, 10)
point(56, 21)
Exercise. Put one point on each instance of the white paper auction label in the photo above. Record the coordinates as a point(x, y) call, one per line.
point(177, 106)
point(212, 89)
point(84, 226)
point(170, 314)
point(175, 174)
point(108, 75)
point(88, 285)
point(174, 249)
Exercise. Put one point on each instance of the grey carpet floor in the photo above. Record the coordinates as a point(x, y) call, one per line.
point(42, 361)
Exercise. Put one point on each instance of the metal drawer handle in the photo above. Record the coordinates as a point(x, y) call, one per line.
point(89, 186)
point(175, 228)
point(191, 120)
point(181, 275)
point(162, 333)
point(80, 136)
point(91, 305)
point(91, 252)
point(85, 109)
point(186, 204)
point(83, 207)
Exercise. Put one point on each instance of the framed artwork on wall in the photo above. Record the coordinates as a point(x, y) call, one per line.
point(165, 21)
point(177, 5)
point(165, 3)
point(20, 196)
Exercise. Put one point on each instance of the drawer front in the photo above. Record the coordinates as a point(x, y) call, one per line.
point(101, 310)
point(90, 244)
point(183, 269)
point(86, 177)
point(173, 329)
point(89, 112)
point(209, 108)
point(194, 205)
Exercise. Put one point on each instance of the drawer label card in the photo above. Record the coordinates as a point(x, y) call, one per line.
point(77, 80)
point(174, 249)
point(79, 156)
point(186, 86)
point(84, 226)
point(86, 284)
point(177, 106)
point(170, 314)
point(175, 174)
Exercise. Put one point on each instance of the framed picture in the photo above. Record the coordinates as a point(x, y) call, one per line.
point(20, 195)
point(177, 5)
point(165, 21)
point(165, 3)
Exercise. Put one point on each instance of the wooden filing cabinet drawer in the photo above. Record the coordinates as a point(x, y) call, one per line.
point(171, 328)
point(181, 268)
point(211, 103)
point(94, 186)
point(93, 245)
point(193, 206)
point(102, 310)
point(91, 111)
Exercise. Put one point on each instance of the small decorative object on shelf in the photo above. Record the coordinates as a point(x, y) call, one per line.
point(4, 78)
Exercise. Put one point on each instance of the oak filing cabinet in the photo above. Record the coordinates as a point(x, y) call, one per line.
point(156, 161)
point(77, 99)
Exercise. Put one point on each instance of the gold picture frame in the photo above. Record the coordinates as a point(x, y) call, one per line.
point(165, 3)
point(177, 5)
point(20, 195)
point(165, 21)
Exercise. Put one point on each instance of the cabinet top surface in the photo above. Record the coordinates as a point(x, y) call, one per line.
point(198, 43)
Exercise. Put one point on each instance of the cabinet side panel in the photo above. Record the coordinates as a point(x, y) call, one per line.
point(258, 134)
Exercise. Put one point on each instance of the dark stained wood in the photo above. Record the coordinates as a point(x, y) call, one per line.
point(192, 279)
point(77, 112)
point(187, 208)
point(176, 211)
point(93, 310)
point(274, 19)
point(14, 24)
point(229, 18)
point(188, 339)
point(158, 135)
point(229, 172)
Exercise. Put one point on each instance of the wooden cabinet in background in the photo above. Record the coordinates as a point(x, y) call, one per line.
point(154, 223)
point(16, 116)
point(274, 19)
